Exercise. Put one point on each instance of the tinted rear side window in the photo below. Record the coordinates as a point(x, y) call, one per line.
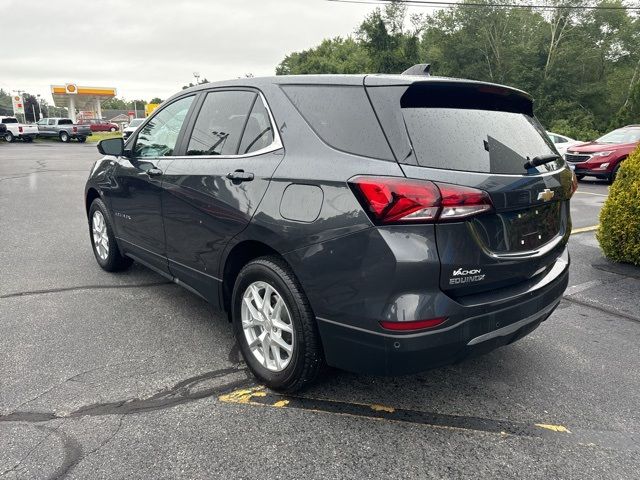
point(65, 121)
point(220, 123)
point(258, 133)
point(342, 117)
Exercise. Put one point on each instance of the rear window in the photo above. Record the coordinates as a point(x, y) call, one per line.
point(341, 115)
point(469, 128)
point(65, 121)
point(9, 120)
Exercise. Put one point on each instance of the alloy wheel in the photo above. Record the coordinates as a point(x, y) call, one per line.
point(267, 326)
point(100, 236)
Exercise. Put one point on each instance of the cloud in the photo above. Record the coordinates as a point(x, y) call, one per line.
point(148, 48)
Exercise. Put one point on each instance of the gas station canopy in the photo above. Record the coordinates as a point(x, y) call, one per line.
point(75, 97)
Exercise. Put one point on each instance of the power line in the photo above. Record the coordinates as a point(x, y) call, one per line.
point(435, 3)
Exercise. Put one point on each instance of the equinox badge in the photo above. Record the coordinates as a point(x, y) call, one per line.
point(546, 195)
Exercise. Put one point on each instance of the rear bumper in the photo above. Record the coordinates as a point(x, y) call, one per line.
point(487, 327)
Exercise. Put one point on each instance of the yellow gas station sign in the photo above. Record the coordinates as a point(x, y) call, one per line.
point(149, 108)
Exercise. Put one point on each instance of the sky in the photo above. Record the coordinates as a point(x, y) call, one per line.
point(150, 48)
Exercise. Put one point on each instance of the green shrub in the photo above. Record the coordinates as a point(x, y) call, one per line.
point(619, 232)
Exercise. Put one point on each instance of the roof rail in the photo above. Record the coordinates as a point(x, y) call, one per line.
point(419, 69)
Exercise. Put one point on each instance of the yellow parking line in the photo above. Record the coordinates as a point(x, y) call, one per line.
point(584, 229)
point(553, 428)
point(591, 193)
point(259, 396)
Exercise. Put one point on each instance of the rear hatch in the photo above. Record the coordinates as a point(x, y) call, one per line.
point(480, 136)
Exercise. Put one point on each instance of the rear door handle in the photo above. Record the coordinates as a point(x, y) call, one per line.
point(154, 172)
point(240, 176)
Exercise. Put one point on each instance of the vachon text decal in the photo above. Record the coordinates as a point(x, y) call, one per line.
point(466, 276)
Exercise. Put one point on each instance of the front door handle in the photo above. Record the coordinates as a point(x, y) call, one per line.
point(154, 172)
point(240, 176)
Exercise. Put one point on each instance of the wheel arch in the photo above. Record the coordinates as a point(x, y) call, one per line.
point(92, 194)
point(241, 254)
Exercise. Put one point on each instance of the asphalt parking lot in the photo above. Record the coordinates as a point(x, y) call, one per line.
point(128, 376)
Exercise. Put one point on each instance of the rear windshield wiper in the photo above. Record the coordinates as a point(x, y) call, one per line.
point(541, 159)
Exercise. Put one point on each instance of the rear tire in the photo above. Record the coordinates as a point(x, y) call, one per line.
point(580, 177)
point(112, 129)
point(82, 139)
point(9, 137)
point(103, 241)
point(292, 324)
point(64, 137)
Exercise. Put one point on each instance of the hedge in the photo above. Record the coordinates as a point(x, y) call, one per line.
point(619, 231)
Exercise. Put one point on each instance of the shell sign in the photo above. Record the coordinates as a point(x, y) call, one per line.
point(18, 104)
point(71, 88)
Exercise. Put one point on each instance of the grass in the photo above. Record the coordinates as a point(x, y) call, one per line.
point(94, 138)
point(97, 136)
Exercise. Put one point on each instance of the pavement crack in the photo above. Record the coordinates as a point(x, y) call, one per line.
point(31, 450)
point(182, 392)
point(601, 308)
point(81, 287)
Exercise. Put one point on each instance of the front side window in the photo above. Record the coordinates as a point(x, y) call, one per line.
point(159, 136)
point(220, 123)
point(52, 121)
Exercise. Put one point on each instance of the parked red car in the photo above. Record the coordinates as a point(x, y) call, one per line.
point(98, 125)
point(602, 157)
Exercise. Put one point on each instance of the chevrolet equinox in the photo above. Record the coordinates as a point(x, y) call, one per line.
point(382, 224)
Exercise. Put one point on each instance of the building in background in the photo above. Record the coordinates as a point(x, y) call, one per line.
point(84, 99)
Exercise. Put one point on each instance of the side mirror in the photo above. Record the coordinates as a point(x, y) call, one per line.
point(111, 146)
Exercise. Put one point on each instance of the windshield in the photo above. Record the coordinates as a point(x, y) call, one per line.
point(136, 121)
point(622, 135)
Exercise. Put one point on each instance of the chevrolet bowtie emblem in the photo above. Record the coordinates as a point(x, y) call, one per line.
point(546, 195)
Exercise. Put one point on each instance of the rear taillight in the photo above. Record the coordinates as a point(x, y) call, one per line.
point(574, 183)
point(20, 129)
point(402, 200)
point(75, 129)
point(413, 325)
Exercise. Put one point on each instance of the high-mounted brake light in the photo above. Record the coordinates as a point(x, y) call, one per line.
point(413, 325)
point(402, 200)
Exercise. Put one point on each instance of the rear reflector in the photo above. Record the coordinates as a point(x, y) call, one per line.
point(402, 200)
point(414, 325)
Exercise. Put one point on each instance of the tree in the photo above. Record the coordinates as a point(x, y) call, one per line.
point(337, 55)
point(156, 100)
point(31, 107)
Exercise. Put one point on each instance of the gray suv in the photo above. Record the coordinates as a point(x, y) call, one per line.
point(382, 224)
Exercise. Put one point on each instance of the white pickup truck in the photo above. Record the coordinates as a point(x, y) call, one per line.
point(16, 129)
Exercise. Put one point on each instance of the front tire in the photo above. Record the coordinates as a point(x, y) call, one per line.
point(274, 325)
point(64, 137)
point(112, 129)
point(103, 240)
point(613, 174)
